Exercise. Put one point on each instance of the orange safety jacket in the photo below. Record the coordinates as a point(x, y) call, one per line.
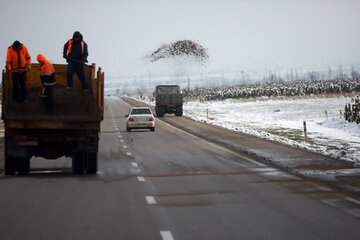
point(46, 70)
point(70, 42)
point(17, 61)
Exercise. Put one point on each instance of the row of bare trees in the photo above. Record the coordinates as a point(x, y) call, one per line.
point(298, 88)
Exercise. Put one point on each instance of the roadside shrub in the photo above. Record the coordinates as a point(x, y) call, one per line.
point(352, 110)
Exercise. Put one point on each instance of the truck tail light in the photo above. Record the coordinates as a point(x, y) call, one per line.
point(130, 119)
point(151, 119)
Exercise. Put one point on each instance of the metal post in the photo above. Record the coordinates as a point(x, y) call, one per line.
point(305, 132)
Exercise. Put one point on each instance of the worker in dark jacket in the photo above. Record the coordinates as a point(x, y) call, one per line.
point(76, 53)
point(18, 61)
point(47, 75)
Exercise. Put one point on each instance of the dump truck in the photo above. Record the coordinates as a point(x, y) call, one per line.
point(70, 130)
point(168, 99)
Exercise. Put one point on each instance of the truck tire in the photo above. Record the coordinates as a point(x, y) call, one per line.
point(9, 162)
point(160, 112)
point(152, 129)
point(91, 163)
point(10, 165)
point(179, 112)
point(78, 163)
point(23, 165)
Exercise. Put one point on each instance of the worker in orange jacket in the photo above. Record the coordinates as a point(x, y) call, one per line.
point(18, 61)
point(47, 76)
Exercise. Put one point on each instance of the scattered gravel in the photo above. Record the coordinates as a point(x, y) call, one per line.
point(182, 48)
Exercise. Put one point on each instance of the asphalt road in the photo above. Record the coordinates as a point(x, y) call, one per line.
point(168, 185)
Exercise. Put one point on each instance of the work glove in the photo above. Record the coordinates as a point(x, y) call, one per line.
point(28, 68)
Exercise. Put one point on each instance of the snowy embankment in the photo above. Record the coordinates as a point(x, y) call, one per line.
point(282, 121)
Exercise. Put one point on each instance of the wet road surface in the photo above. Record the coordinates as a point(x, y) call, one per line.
point(167, 185)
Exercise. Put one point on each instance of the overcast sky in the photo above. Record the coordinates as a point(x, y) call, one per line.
point(239, 34)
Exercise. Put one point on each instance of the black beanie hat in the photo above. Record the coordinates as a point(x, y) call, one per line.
point(16, 45)
point(76, 35)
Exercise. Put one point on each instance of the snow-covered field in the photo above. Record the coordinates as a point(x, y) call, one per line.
point(282, 121)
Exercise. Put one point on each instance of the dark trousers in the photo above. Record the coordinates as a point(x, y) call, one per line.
point(47, 96)
point(19, 86)
point(79, 69)
point(48, 99)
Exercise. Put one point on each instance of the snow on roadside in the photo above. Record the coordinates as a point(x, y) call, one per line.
point(282, 121)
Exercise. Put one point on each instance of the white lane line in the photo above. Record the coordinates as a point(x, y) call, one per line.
point(166, 235)
point(120, 136)
point(217, 146)
point(134, 164)
point(124, 146)
point(150, 200)
point(353, 200)
point(116, 129)
point(129, 153)
point(121, 140)
point(141, 179)
point(325, 189)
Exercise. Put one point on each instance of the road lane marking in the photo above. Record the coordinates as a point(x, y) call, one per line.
point(141, 179)
point(129, 153)
point(353, 200)
point(121, 140)
point(166, 235)
point(134, 164)
point(325, 189)
point(124, 146)
point(150, 200)
point(217, 146)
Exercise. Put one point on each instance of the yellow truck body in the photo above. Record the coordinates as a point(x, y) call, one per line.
point(71, 130)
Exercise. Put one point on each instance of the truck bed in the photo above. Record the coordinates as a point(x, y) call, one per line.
point(68, 104)
point(73, 107)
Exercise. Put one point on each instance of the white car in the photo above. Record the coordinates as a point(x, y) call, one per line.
point(140, 118)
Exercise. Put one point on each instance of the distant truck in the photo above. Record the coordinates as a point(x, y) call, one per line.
point(72, 130)
point(168, 99)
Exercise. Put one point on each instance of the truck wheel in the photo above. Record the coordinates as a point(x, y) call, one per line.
point(91, 163)
point(128, 129)
point(152, 129)
point(23, 165)
point(9, 162)
point(10, 165)
point(160, 112)
point(179, 112)
point(78, 163)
